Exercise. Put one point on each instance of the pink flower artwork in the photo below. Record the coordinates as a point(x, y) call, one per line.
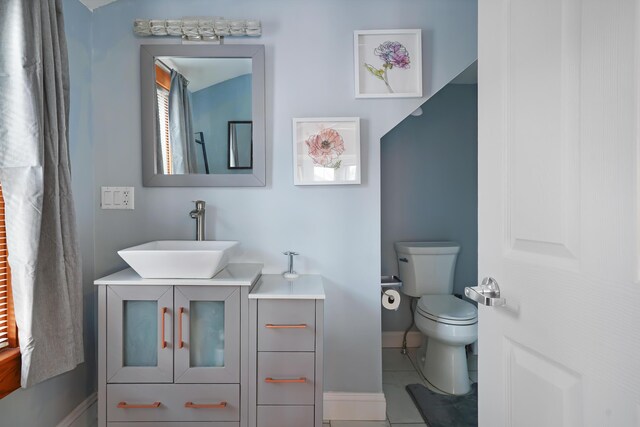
point(325, 148)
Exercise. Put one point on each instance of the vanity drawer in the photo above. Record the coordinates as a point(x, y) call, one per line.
point(286, 325)
point(279, 416)
point(173, 399)
point(286, 378)
point(178, 424)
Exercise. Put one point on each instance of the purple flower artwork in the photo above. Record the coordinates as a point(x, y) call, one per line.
point(325, 148)
point(393, 54)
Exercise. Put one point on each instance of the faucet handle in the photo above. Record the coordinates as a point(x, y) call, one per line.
point(290, 274)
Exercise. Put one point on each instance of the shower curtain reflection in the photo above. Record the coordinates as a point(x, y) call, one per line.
point(181, 136)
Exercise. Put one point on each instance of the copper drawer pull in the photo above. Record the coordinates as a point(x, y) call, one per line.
point(220, 405)
point(272, 326)
point(275, 380)
point(125, 405)
point(163, 342)
point(180, 343)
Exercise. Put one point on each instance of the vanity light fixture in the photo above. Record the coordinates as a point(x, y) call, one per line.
point(198, 29)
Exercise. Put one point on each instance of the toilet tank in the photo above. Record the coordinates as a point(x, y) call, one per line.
point(426, 267)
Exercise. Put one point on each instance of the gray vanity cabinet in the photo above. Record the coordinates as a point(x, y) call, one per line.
point(285, 356)
point(299, 317)
point(138, 352)
point(174, 354)
point(152, 339)
point(207, 331)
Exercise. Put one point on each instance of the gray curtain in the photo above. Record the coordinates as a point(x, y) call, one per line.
point(181, 137)
point(36, 181)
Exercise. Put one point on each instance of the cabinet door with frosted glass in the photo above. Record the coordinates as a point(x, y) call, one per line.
point(207, 334)
point(139, 334)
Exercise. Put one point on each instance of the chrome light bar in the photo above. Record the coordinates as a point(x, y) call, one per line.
point(198, 28)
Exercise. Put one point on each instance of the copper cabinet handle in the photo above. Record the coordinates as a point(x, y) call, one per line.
point(285, 381)
point(220, 405)
point(125, 405)
point(163, 343)
point(180, 343)
point(272, 326)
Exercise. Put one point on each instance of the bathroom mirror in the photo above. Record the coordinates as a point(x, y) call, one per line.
point(203, 119)
point(239, 153)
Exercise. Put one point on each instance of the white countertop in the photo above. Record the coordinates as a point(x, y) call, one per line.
point(274, 286)
point(233, 275)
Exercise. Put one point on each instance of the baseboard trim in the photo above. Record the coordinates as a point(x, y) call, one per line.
point(354, 406)
point(84, 415)
point(394, 339)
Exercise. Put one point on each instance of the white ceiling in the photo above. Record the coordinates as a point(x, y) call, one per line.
point(93, 4)
point(204, 72)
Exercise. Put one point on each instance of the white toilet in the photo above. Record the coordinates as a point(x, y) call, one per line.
point(448, 323)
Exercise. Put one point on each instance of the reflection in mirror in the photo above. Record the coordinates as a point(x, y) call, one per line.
point(240, 145)
point(189, 94)
point(200, 142)
point(196, 98)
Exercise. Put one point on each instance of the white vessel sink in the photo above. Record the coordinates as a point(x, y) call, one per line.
point(179, 259)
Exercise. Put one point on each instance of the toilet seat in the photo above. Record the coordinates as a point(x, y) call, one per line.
point(447, 309)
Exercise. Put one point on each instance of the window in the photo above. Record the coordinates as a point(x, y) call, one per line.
point(9, 353)
point(163, 120)
point(163, 86)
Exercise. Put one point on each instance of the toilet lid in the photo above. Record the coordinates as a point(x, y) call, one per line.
point(447, 307)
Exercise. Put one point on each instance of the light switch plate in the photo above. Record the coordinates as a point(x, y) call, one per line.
point(117, 198)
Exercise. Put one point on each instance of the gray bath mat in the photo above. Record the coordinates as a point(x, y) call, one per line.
point(439, 410)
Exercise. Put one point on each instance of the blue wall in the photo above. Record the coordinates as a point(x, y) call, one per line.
point(335, 228)
point(429, 185)
point(308, 73)
point(213, 108)
point(49, 402)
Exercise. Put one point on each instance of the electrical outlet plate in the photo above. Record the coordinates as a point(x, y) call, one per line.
point(117, 198)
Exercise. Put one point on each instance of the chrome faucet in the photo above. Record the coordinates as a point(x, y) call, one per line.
point(198, 215)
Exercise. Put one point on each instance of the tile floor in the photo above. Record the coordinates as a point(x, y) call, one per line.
point(398, 370)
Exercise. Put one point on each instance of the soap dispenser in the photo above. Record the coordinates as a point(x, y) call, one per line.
point(290, 274)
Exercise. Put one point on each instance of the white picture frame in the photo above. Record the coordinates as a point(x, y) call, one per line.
point(388, 63)
point(326, 151)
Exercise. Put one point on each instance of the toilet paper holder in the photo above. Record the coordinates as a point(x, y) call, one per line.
point(390, 282)
point(390, 291)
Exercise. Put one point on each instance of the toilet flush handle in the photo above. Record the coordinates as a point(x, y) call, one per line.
point(403, 260)
point(488, 293)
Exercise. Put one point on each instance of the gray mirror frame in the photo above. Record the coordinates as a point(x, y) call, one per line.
point(148, 53)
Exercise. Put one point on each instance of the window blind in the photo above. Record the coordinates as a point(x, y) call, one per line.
point(163, 121)
point(4, 281)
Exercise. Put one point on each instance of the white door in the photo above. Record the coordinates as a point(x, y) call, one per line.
point(558, 212)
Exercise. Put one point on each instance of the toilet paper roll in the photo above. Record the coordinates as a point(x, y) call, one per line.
point(391, 299)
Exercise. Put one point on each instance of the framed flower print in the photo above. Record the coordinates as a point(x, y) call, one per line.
point(388, 63)
point(326, 151)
